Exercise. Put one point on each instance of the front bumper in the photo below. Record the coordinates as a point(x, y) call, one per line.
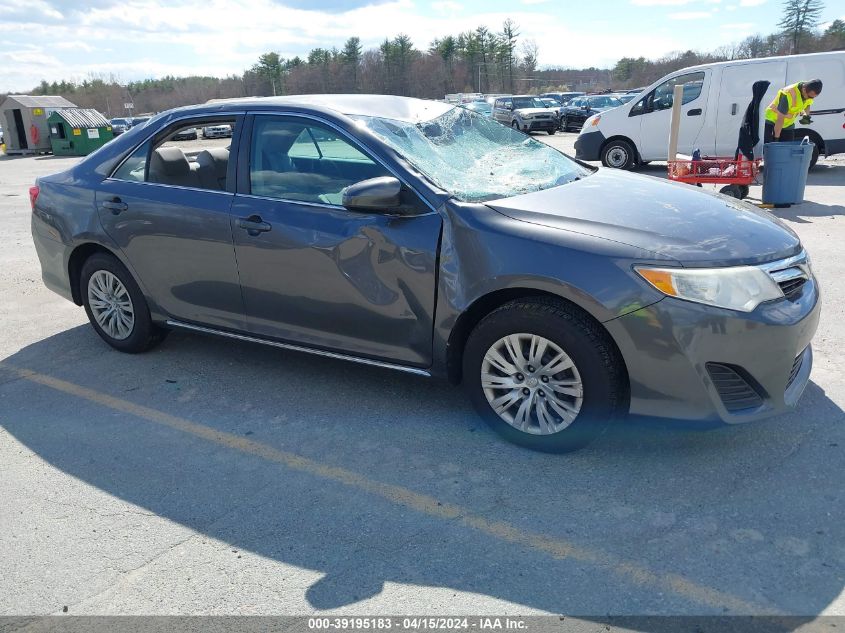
point(588, 145)
point(542, 124)
point(693, 362)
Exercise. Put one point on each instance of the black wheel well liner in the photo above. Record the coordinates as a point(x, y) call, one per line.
point(486, 304)
point(75, 262)
point(620, 137)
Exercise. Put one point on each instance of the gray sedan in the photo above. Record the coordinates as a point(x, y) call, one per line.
point(426, 238)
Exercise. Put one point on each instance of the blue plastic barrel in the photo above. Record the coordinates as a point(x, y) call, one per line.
point(786, 166)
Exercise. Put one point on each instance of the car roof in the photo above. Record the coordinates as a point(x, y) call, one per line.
point(406, 109)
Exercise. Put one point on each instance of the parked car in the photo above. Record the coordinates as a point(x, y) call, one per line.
point(217, 131)
point(526, 113)
point(482, 107)
point(187, 134)
point(625, 97)
point(714, 101)
point(562, 97)
point(140, 120)
point(120, 125)
point(558, 308)
point(577, 111)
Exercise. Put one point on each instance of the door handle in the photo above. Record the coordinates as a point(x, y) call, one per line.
point(115, 205)
point(733, 109)
point(694, 112)
point(254, 225)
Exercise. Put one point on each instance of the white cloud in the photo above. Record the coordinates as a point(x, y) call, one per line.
point(160, 37)
point(35, 9)
point(670, 3)
point(690, 15)
point(446, 6)
point(751, 3)
point(534, 1)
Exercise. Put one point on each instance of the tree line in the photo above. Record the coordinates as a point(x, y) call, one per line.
point(479, 60)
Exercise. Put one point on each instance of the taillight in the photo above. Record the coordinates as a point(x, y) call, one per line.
point(33, 195)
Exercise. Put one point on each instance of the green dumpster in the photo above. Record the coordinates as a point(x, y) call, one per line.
point(78, 131)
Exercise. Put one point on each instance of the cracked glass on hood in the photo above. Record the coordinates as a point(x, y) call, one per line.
point(475, 158)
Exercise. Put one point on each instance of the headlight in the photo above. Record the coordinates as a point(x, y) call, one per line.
point(740, 288)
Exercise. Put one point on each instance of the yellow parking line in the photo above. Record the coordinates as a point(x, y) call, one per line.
point(630, 571)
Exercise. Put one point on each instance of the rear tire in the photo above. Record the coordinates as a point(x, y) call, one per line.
point(619, 154)
point(534, 411)
point(564, 125)
point(116, 306)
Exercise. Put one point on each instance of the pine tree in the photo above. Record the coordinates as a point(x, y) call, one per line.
point(799, 18)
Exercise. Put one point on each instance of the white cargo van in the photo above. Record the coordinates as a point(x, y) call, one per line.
point(715, 99)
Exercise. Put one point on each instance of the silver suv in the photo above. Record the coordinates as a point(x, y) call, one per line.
point(526, 113)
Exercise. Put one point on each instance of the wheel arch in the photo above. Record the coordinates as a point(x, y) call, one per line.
point(77, 259)
point(621, 137)
point(487, 303)
point(814, 136)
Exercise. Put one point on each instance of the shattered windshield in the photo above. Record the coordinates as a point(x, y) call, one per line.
point(475, 158)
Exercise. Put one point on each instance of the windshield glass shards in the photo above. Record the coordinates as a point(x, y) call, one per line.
point(475, 158)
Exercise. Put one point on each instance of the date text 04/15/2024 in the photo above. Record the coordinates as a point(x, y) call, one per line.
point(416, 623)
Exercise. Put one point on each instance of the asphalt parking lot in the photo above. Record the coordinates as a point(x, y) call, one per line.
point(217, 477)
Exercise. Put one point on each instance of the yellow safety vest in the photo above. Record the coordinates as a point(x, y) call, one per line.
point(797, 104)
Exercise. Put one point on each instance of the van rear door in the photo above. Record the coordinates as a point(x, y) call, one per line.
point(734, 97)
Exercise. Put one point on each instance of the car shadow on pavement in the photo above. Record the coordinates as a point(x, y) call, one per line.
point(648, 519)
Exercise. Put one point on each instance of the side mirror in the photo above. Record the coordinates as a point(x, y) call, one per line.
point(375, 194)
point(585, 107)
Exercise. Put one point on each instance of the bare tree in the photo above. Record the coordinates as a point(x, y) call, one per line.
point(529, 56)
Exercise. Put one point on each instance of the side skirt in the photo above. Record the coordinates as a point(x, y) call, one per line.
point(297, 348)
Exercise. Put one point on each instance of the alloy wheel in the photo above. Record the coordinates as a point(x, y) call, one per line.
point(532, 384)
point(111, 304)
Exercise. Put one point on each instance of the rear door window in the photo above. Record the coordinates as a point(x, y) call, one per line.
point(181, 157)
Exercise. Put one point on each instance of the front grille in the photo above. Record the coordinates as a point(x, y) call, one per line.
point(792, 287)
point(734, 390)
point(796, 367)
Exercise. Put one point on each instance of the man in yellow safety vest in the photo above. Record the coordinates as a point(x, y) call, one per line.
point(790, 102)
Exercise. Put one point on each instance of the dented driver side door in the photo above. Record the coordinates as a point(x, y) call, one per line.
point(315, 273)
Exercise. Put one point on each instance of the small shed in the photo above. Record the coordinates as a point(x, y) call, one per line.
point(78, 131)
point(24, 120)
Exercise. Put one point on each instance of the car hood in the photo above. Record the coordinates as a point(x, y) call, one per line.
point(690, 225)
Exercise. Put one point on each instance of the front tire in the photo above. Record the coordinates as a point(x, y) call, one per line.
point(619, 154)
point(543, 375)
point(551, 132)
point(116, 306)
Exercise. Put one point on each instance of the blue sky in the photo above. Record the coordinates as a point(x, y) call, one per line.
point(134, 39)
